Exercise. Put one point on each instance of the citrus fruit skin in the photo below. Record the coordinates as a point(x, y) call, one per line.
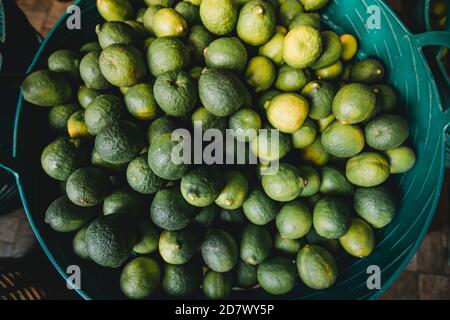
point(376, 205)
point(354, 103)
point(217, 285)
point(386, 132)
point(167, 54)
point(115, 10)
point(316, 267)
point(315, 153)
point(367, 71)
point(284, 185)
point(331, 218)
point(287, 112)
point(273, 49)
point(331, 51)
point(226, 53)
point(368, 169)
point(219, 16)
point(260, 73)
point(304, 136)
point(320, 95)
point(359, 241)
point(256, 22)
point(313, 5)
point(46, 88)
point(302, 47)
point(349, 47)
point(122, 65)
point(168, 22)
point(290, 79)
point(401, 159)
point(140, 278)
point(294, 220)
point(276, 275)
point(343, 140)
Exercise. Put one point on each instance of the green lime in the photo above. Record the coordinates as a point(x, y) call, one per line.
point(386, 97)
point(354, 103)
point(148, 237)
point(320, 95)
point(331, 218)
point(198, 40)
point(46, 88)
point(265, 98)
point(271, 145)
point(226, 53)
point(315, 153)
point(306, 19)
point(256, 22)
point(386, 132)
point(285, 184)
point(86, 96)
point(102, 112)
point(59, 115)
point(202, 117)
point(141, 178)
point(116, 32)
point(304, 136)
point(176, 93)
point(159, 127)
point(294, 220)
point(400, 159)
point(259, 208)
point(189, 11)
point(276, 275)
point(359, 241)
point(141, 103)
point(302, 47)
point(148, 17)
point(287, 112)
point(168, 22)
point(122, 65)
point(335, 183)
point(66, 62)
point(202, 186)
point(76, 126)
point(288, 10)
point(235, 191)
point(290, 79)
point(140, 278)
point(167, 54)
point(314, 5)
point(368, 169)
point(115, 10)
point(312, 181)
point(375, 205)
point(160, 158)
point(331, 72)
point(331, 51)
point(90, 72)
point(219, 16)
point(349, 46)
point(273, 49)
point(260, 73)
point(316, 267)
point(367, 71)
point(245, 124)
point(217, 285)
point(177, 247)
point(343, 140)
point(287, 246)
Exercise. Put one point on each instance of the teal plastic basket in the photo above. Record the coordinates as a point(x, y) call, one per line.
point(418, 190)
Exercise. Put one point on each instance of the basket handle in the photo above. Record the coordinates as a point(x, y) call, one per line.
point(440, 39)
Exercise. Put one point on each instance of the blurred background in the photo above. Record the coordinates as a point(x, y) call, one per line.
point(26, 273)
